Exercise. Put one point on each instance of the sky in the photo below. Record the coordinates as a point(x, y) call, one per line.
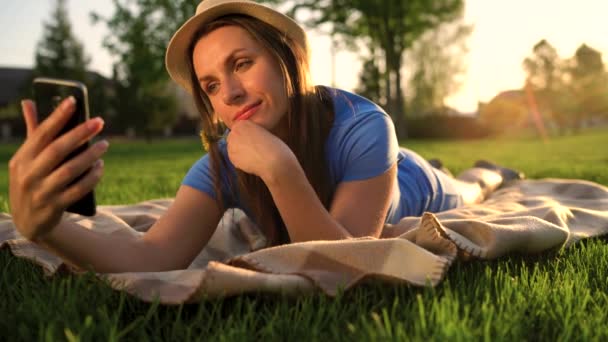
point(504, 34)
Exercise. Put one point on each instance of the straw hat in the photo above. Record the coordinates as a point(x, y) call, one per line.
point(176, 59)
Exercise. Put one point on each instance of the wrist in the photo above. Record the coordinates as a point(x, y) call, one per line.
point(283, 169)
point(46, 236)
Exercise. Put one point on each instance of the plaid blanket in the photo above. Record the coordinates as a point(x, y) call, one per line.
point(529, 216)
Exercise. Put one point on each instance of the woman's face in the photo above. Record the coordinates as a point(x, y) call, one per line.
point(242, 79)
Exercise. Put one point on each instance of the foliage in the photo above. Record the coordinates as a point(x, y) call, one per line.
point(573, 92)
point(10, 111)
point(589, 84)
point(544, 67)
point(438, 125)
point(139, 32)
point(391, 26)
point(59, 53)
point(371, 79)
point(435, 61)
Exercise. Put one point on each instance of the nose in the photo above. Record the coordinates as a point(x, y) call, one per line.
point(233, 91)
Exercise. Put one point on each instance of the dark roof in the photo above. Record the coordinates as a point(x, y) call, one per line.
point(12, 81)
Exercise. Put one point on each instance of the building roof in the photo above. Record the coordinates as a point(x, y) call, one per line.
point(12, 81)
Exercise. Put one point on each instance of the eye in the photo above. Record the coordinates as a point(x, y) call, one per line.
point(242, 64)
point(211, 88)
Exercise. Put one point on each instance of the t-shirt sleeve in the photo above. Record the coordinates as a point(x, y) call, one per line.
point(199, 176)
point(369, 146)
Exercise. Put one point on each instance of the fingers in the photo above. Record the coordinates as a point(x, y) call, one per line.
point(77, 190)
point(48, 129)
point(30, 115)
point(61, 147)
point(70, 170)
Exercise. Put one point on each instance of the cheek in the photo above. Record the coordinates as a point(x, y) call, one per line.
point(278, 90)
point(219, 110)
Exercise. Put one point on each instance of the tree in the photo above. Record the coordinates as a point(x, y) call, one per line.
point(547, 75)
point(544, 67)
point(589, 84)
point(573, 91)
point(139, 33)
point(391, 25)
point(59, 53)
point(436, 61)
point(370, 79)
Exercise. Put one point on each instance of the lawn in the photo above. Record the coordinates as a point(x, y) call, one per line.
point(557, 296)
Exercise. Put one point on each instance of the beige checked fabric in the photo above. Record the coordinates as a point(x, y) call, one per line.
point(529, 216)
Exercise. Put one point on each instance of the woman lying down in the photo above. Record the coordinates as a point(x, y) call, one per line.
point(304, 162)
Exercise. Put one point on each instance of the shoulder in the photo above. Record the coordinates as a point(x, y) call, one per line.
point(356, 116)
point(349, 106)
point(362, 142)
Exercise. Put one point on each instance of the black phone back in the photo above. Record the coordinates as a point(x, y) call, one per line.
point(48, 94)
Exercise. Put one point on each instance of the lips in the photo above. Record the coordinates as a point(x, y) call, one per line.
point(247, 112)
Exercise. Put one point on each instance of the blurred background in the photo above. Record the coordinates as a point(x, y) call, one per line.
point(449, 69)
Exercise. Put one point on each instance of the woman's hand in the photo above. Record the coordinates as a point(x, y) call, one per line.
point(253, 149)
point(38, 185)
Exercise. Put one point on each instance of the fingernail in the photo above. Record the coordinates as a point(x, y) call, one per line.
point(102, 145)
point(68, 103)
point(24, 104)
point(94, 123)
point(98, 164)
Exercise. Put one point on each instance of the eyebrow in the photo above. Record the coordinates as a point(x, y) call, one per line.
point(226, 61)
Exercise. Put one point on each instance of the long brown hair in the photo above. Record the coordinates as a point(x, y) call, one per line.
point(307, 124)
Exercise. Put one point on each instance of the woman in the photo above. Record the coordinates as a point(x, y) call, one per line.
point(304, 162)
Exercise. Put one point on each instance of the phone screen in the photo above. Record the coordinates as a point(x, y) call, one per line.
point(48, 94)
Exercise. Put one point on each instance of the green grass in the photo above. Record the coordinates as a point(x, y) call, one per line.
point(553, 296)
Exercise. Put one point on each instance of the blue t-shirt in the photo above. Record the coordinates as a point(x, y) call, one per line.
point(362, 144)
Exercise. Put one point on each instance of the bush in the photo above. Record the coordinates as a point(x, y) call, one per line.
point(439, 126)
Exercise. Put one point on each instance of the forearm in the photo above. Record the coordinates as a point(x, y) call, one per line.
point(104, 253)
point(303, 213)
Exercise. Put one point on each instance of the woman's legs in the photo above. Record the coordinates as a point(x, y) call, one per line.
point(476, 183)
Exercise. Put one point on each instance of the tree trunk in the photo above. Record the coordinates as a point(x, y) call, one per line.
point(399, 104)
point(388, 86)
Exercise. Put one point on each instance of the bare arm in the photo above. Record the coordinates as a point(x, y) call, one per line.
point(358, 208)
point(171, 243)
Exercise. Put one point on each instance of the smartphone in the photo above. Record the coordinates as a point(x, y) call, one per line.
point(48, 94)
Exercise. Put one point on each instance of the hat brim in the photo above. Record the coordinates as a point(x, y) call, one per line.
point(177, 58)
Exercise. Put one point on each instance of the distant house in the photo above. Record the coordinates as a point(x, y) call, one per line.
point(507, 111)
point(13, 87)
point(512, 110)
point(513, 97)
point(13, 81)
